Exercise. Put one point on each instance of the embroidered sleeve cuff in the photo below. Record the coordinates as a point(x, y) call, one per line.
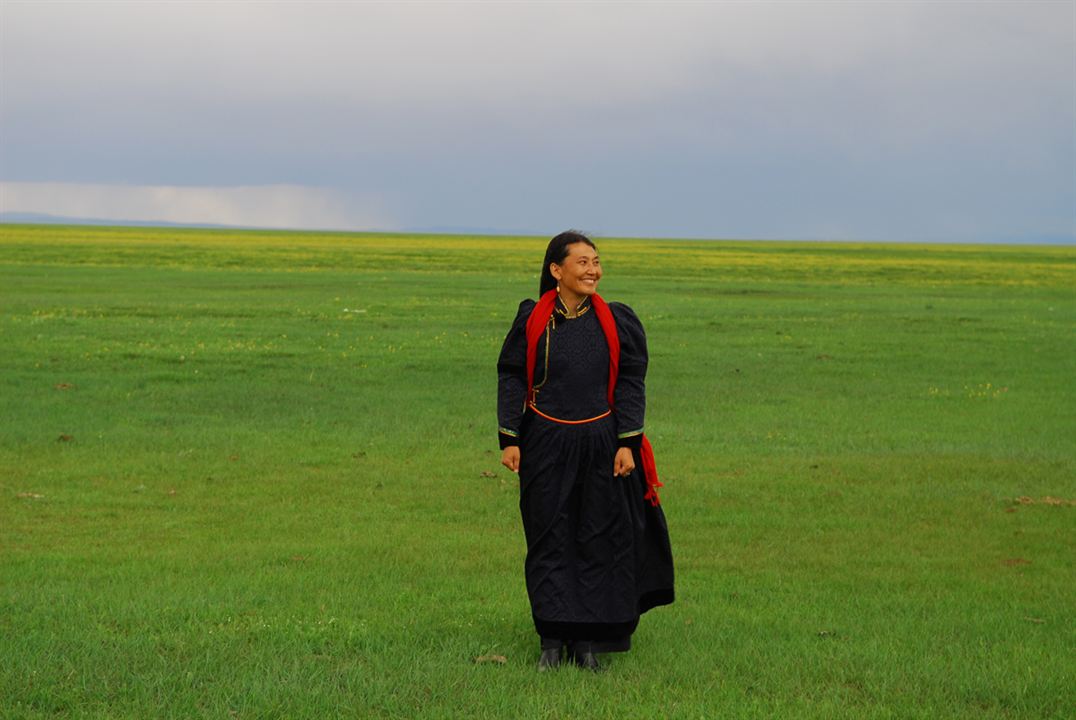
point(633, 439)
point(507, 437)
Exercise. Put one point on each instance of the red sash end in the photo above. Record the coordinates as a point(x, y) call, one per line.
point(650, 472)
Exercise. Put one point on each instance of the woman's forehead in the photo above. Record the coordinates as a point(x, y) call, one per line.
point(581, 249)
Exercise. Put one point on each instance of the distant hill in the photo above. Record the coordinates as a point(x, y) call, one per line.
point(12, 218)
point(472, 230)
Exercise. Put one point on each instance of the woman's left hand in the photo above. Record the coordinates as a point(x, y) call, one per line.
point(624, 462)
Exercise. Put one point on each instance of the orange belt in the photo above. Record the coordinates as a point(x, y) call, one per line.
point(569, 422)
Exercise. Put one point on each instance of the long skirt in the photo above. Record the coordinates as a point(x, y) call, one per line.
point(598, 554)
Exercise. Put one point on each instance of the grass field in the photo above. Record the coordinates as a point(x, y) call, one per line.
point(254, 475)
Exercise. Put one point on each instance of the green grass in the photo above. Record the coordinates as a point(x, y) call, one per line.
point(273, 501)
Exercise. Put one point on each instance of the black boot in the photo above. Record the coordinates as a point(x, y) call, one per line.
point(550, 657)
point(582, 654)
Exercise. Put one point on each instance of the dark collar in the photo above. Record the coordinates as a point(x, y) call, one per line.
point(561, 309)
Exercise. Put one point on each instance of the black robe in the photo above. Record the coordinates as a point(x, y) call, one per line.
point(598, 554)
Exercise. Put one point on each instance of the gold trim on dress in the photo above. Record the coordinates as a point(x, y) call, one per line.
point(580, 310)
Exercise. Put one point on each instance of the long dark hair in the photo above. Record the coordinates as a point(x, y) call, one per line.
point(555, 253)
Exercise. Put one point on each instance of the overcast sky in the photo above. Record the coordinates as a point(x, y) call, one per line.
point(937, 121)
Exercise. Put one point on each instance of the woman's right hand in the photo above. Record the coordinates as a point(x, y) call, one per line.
point(510, 458)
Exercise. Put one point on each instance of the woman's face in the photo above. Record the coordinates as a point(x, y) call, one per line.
point(580, 271)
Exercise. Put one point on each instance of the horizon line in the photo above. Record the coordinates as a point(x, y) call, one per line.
point(9, 218)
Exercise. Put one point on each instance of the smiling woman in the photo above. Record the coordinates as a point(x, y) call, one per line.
point(570, 403)
point(576, 275)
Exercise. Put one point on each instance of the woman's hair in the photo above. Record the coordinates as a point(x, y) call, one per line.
point(555, 253)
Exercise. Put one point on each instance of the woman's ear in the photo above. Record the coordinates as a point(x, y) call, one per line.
point(554, 270)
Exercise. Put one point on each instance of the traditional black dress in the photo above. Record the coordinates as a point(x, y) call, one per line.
point(598, 554)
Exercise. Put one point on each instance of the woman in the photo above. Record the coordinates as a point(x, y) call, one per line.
point(570, 405)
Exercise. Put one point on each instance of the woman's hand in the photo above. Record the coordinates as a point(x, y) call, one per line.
point(510, 458)
point(624, 462)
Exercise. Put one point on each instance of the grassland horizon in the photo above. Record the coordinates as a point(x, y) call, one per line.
point(253, 474)
point(32, 220)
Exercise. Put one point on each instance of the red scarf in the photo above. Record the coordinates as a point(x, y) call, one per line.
point(536, 324)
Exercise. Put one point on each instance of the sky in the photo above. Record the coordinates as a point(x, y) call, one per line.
point(894, 121)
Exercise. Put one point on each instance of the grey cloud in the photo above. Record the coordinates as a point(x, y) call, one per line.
point(881, 120)
point(281, 206)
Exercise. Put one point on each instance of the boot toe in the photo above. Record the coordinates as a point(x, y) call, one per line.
point(549, 659)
